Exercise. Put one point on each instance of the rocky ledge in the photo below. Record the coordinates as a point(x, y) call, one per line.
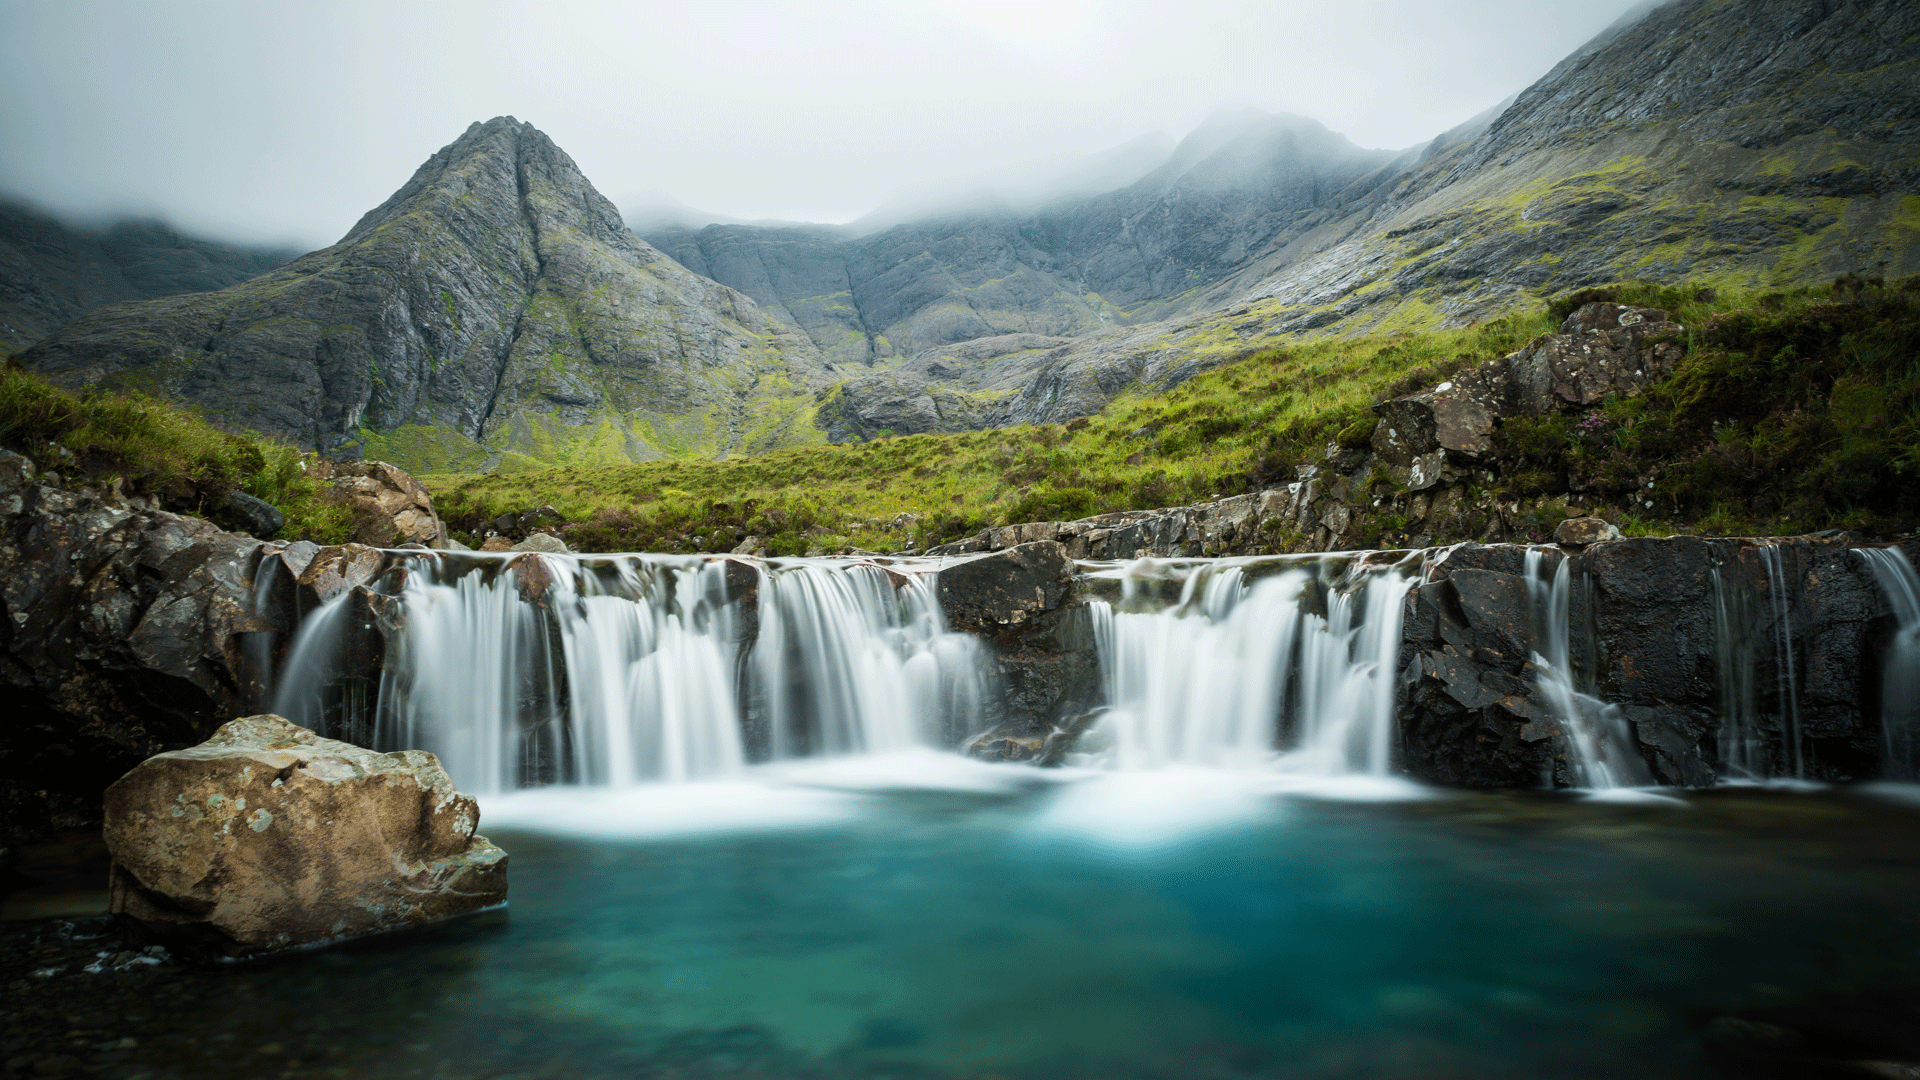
point(267, 837)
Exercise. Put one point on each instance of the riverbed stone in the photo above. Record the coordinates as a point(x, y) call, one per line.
point(267, 837)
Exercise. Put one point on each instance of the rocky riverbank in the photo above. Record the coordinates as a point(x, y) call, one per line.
point(130, 631)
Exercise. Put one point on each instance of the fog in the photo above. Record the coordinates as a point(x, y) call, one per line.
point(286, 122)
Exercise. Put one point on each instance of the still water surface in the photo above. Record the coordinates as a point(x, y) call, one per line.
point(952, 920)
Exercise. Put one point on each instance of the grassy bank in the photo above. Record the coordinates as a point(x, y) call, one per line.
point(1793, 411)
point(157, 448)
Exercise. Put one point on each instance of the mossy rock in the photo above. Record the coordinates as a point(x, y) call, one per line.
point(1359, 434)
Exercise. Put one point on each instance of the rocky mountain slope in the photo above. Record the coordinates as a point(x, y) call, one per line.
point(496, 312)
point(1751, 142)
point(52, 271)
point(494, 306)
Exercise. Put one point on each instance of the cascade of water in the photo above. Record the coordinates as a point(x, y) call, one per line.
point(1900, 681)
point(1213, 679)
point(858, 658)
point(257, 649)
point(623, 669)
point(1598, 736)
point(1743, 739)
point(1786, 673)
point(308, 691)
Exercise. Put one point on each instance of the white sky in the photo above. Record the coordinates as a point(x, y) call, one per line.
point(287, 121)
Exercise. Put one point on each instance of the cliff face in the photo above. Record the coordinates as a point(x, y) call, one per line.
point(494, 305)
point(51, 271)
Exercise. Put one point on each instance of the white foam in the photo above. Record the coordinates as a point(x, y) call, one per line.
point(1633, 796)
point(1907, 794)
point(920, 769)
point(666, 810)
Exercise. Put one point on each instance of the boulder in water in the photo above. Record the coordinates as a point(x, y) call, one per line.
point(267, 837)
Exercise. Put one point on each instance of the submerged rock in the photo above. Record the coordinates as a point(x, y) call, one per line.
point(267, 837)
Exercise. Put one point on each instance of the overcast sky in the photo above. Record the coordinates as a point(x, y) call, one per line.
point(287, 121)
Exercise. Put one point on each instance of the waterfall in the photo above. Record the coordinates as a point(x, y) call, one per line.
point(1742, 739)
point(1786, 672)
point(1900, 679)
point(1598, 739)
point(1235, 669)
point(1760, 733)
point(616, 670)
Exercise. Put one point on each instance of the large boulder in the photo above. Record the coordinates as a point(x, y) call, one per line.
point(267, 837)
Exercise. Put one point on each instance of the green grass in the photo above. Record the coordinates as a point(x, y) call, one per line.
point(1792, 411)
point(1230, 430)
point(161, 449)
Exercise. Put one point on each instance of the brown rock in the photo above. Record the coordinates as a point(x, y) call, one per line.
point(1584, 530)
point(397, 508)
point(336, 569)
point(267, 837)
point(1007, 587)
point(497, 543)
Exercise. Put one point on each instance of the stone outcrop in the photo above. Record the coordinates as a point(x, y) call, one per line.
point(1022, 602)
point(390, 507)
point(266, 837)
point(122, 635)
point(1644, 638)
point(126, 630)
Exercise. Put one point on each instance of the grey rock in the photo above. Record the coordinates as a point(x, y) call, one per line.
point(546, 543)
point(1021, 602)
point(257, 516)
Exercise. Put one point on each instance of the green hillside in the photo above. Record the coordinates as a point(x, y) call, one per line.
point(1793, 411)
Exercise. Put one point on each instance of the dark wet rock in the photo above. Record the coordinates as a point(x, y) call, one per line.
point(266, 838)
point(1021, 602)
point(257, 516)
point(1470, 714)
point(121, 634)
point(1007, 588)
